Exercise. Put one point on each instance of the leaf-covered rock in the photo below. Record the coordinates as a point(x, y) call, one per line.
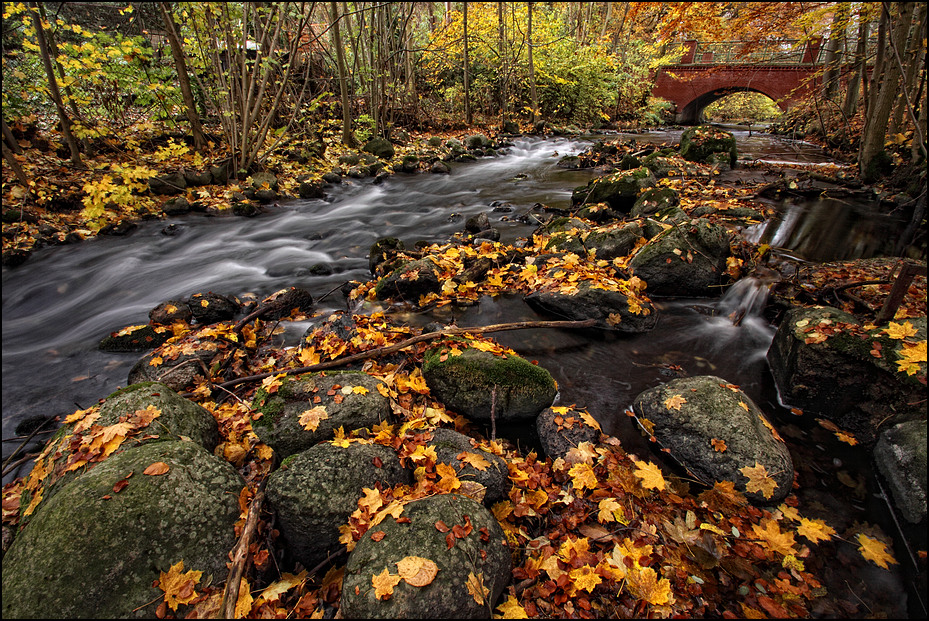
point(820, 355)
point(614, 309)
point(716, 431)
point(94, 552)
point(699, 144)
point(474, 382)
point(687, 259)
point(620, 190)
point(305, 410)
point(315, 492)
point(409, 282)
point(472, 463)
point(562, 428)
point(456, 533)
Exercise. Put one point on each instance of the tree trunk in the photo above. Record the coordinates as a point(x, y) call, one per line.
point(833, 51)
point(348, 138)
point(183, 79)
point(858, 71)
point(467, 77)
point(875, 129)
point(54, 93)
point(532, 90)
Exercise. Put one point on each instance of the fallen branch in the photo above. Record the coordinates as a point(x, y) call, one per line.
point(240, 555)
point(389, 349)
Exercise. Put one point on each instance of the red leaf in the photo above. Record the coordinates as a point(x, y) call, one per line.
point(441, 527)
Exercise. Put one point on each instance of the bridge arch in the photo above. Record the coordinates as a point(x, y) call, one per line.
point(691, 113)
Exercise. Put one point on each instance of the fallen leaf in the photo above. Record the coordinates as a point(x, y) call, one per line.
point(875, 551)
point(758, 480)
point(674, 402)
point(178, 585)
point(477, 589)
point(384, 584)
point(157, 468)
point(417, 571)
point(650, 474)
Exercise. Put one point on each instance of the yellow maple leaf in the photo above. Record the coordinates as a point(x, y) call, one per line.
point(384, 584)
point(585, 578)
point(310, 419)
point(674, 402)
point(899, 331)
point(477, 589)
point(875, 551)
point(474, 460)
point(910, 357)
point(288, 581)
point(308, 356)
point(774, 539)
point(758, 480)
point(650, 474)
point(572, 548)
point(511, 609)
point(590, 420)
point(815, 530)
point(583, 476)
point(448, 480)
point(178, 585)
point(360, 390)
point(243, 605)
point(643, 584)
point(417, 571)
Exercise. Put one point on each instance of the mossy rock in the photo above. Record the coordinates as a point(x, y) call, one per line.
point(620, 190)
point(654, 200)
point(472, 464)
point(348, 399)
point(379, 147)
point(688, 414)
point(475, 382)
point(409, 282)
point(699, 144)
point(315, 491)
point(610, 242)
point(178, 419)
point(480, 556)
point(94, 552)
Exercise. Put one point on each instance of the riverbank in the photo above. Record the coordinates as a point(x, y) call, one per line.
point(559, 520)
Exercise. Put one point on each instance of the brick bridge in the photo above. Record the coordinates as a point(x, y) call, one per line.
point(710, 71)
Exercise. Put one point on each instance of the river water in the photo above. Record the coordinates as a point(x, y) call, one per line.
point(60, 303)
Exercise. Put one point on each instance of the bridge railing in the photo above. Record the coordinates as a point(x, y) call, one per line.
point(784, 52)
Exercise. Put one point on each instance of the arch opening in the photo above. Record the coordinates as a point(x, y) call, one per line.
point(730, 102)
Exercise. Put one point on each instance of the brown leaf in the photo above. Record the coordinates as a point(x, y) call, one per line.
point(157, 468)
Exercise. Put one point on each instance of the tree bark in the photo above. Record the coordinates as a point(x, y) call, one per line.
point(858, 72)
point(54, 93)
point(348, 138)
point(467, 64)
point(183, 79)
point(533, 94)
point(875, 130)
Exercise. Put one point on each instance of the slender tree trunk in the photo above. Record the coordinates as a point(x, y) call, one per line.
point(914, 47)
point(348, 138)
point(501, 42)
point(858, 72)
point(467, 64)
point(183, 79)
point(875, 130)
point(53, 87)
point(833, 51)
point(533, 94)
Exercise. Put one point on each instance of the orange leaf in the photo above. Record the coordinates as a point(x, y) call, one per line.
point(159, 467)
point(718, 445)
point(758, 480)
point(875, 551)
point(650, 474)
point(178, 585)
point(674, 402)
point(384, 584)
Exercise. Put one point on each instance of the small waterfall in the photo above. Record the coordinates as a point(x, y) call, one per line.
point(747, 297)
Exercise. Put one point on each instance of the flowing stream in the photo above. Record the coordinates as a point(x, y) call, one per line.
point(63, 300)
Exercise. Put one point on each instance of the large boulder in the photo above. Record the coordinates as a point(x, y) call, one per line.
point(686, 259)
point(135, 339)
point(313, 493)
point(307, 409)
point(464, 546)
point(138, 414)
point(613, 307)
point(699, 144)
point(178, 365)
point(619, 190)
point(97, 547)
point(819, 357)
point(473, 465)
point(654, 200)
point(474, 382)
point(900, 455)
point(379, 147)
point(718, 433)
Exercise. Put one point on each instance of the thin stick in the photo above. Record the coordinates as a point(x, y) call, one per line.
point(240, 555)
point(389, 349)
